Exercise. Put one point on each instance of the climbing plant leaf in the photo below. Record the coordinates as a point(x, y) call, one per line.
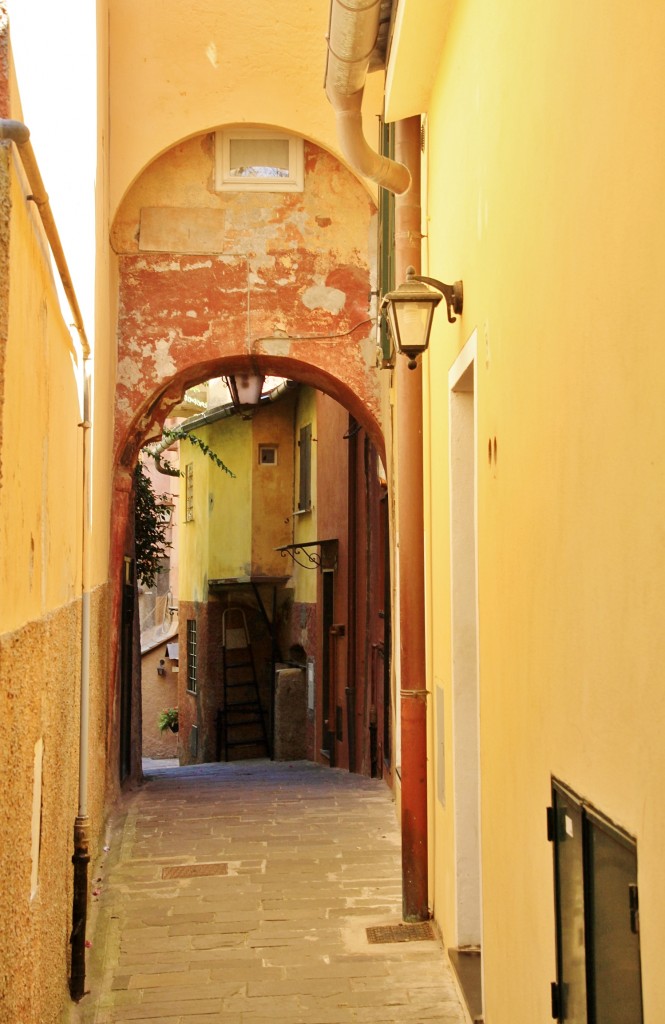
point(150, 526)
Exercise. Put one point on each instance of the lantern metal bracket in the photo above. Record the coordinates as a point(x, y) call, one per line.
point(453, 293)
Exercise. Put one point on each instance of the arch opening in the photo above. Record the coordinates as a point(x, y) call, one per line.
point(306, 572)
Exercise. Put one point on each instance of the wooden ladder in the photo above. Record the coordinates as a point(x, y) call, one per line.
point(240, 722)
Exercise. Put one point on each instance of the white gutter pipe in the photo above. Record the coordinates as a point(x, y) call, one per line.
point(19, 134)
point(354, 27)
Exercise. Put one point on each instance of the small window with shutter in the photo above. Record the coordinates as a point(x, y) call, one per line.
point(305, 448)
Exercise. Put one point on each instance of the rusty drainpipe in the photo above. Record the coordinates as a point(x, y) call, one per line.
point(352, 584)
point(353, 31)
point(409, 437)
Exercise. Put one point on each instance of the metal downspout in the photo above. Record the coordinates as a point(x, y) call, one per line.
point(352, 584)
point(353, 30)
point(354, 26)
point(19, 134)
point(409, 440)
point(81, 856)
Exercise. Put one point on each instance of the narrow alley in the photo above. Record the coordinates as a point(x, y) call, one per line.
point(244, 892)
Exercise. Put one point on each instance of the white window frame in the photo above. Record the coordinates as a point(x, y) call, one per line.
point(226, 182)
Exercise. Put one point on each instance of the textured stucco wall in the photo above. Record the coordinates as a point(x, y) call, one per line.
point(39, 700)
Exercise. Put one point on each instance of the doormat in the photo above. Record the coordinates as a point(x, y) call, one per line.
point(194, 870)
point(401, 932)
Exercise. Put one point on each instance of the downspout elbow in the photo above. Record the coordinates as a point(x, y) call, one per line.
point(15, 131)
point(387, 173)
point(354, 27)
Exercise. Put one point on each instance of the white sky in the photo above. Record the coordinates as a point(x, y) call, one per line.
point(54, 46)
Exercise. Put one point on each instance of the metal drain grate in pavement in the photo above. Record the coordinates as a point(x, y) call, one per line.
point(194, 870)
point(401, 932)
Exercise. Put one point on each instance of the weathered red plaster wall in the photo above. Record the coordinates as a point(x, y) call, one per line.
point(287, 265)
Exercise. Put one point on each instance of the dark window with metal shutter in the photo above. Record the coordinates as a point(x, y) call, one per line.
point(597, 917)
point(305, 445)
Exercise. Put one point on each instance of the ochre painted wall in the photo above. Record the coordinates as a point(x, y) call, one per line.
point(272, 487)
point(41, 502)
point(255, 65)
point(545, 159)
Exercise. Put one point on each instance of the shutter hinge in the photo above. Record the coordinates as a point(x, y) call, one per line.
point(551, 825)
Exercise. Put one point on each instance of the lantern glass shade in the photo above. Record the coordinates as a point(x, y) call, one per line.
point(411, 322)
point(410, 309)
point(246, 389)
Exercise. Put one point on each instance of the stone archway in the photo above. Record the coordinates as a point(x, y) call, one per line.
point(213, 283)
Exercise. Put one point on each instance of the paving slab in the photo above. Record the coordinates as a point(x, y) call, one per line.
point(274, 872)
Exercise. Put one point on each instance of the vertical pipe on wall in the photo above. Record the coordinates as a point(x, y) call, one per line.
point(409, 439)
point(81, 856)
point(351, 653)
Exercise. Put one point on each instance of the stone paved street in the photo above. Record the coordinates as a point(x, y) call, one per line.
point(241, 894)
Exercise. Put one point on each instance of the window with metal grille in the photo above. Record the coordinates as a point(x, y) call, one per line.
point(191, 655)
point(189, 492)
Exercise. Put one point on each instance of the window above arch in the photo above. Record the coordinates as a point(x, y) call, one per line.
point(258, 160)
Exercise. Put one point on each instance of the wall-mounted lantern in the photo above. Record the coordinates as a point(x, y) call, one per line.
point(410, 310)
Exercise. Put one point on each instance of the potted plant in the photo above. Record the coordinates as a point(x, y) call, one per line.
point(168, 719)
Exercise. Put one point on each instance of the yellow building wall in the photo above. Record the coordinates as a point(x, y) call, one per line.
point(39, 620)
point(239, 520)
point(41, 441)
point(193, 532)
point(230, 499)
point(545, 159)
point(41, 505)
